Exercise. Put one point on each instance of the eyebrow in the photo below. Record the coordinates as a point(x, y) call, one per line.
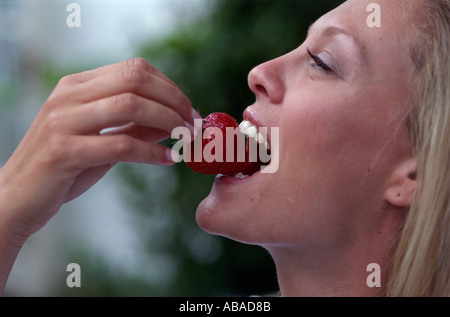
point(331, 30)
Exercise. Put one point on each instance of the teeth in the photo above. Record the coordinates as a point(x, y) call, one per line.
point(260, 138)
point(244, 125)
point(251, 130)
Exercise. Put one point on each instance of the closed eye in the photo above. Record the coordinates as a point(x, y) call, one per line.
point(318, 62)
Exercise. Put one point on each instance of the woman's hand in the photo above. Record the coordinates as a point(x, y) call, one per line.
point(64, 151)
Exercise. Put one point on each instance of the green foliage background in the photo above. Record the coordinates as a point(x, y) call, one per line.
point(209, 60)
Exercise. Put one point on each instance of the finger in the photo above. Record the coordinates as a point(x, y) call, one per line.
point(122, 109)
point(138, 62)
point(139, 132)
point(99, 150)
point(135, 80)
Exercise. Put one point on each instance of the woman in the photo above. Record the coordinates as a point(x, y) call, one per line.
point(363, 114)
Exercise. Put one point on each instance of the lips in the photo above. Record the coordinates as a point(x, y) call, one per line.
point(253, 118)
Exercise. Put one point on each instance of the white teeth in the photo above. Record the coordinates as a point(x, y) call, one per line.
point(260, 138)
point(251, 130)
point(244, 125)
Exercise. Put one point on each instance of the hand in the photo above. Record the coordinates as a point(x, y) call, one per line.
point(64, 152)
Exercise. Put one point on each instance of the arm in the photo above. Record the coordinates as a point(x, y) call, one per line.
point(63, 153)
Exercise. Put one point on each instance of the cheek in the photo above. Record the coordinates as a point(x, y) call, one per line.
point(314, 139)
point(334, 129)
point(328, 148)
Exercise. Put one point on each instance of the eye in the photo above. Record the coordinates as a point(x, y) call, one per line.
point(318, 62)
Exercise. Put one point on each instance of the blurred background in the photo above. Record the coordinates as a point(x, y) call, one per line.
point(134, 232)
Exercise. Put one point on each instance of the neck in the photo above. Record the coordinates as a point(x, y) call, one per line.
point(329, 273)
point(342, 264)
point(337, 278)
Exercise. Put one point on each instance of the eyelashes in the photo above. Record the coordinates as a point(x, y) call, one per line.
point(318, 62)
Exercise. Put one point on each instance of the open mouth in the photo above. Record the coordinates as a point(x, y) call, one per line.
point(229, 149)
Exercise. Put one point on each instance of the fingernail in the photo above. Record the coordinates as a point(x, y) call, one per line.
point(190, 127)
point(195, 114)
point(194, 129)
point(172, 156)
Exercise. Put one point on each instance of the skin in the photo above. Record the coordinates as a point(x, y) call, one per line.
point(337, 202)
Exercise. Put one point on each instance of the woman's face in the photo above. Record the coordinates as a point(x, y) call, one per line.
point(341, 133)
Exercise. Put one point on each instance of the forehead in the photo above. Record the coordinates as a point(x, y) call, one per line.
point(395, 17)
point(392, 12)
point(390, 41)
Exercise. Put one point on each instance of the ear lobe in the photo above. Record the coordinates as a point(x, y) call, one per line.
point(402, 185)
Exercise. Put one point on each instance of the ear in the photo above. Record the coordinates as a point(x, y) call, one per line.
point(402, 184)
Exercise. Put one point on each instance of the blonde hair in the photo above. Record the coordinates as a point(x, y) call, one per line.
point(421, 264)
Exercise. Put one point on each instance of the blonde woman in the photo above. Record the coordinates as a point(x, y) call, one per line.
point(363, 179)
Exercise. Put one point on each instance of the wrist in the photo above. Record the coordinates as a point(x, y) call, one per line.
point(10, 245)
point(11, 239)
point(11, 207)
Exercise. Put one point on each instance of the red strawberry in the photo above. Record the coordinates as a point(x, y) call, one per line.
point(208, 165)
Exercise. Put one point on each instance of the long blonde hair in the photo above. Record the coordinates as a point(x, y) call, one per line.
point(421, 265)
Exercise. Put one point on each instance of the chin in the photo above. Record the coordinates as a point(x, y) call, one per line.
point(232, 208)
point(217, 214)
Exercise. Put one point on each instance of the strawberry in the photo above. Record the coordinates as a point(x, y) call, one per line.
point(207, 165)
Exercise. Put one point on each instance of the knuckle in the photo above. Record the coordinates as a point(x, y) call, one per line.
point(133, 75)
point(68, 80)
point(127, 102)
point(122, 146)
point(65, 80)
point(53, 119)
point(138, 62)
point(62, 90)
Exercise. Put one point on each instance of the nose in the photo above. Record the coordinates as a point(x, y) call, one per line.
point(266, 82)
